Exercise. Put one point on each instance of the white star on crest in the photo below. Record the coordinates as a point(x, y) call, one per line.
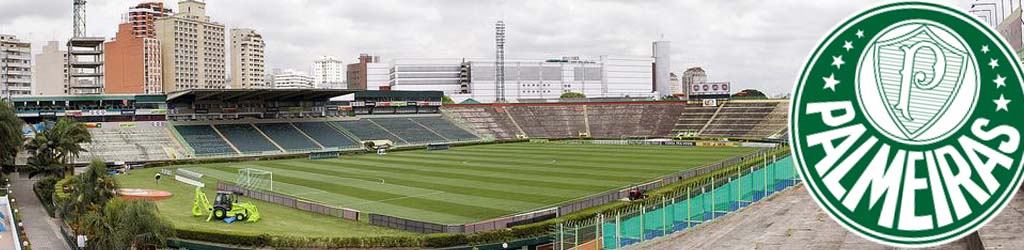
point(1001, 104)
point(848, 45)
point(1000, 81)
point(837, 61)
point(993, 63)
point(860, 34)
point(984, 49)
point(830, 82)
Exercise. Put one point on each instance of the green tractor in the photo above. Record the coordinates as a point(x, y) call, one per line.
point(225, 205)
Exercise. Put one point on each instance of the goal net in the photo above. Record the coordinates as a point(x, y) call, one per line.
point(255, 179)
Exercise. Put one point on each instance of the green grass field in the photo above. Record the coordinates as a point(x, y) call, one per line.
point(472, 183)
point(464, 184)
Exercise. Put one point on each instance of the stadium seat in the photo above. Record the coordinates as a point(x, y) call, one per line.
point(287, 137)
point(204, 140)
point(246, 138)
point(326, 135)
point(409, 130)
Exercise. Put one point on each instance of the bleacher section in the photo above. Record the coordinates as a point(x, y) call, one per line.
point(130, 142)
point(367, 130)
point(740, 118)
point(693, 119)
point(204, 140)
point(488, 120)
point(326, 135)
point(550, 121)
point(445, 128)
point(246, 138)
point(409, 130)
point(287, 137)
point(643, 120)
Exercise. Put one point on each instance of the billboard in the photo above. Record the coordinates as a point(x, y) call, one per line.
point(709, 90)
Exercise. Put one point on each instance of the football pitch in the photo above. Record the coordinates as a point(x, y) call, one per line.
point(472, 183)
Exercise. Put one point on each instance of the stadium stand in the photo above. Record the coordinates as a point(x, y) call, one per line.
point(446, 129)
point(246, 138)
point(130, 142)
point(739, 118)
point(409, 130)
point(326, 135)
point(367, 130)
point(550, 121)
point(642, 120)
point(775, 123)
point(693, 119)
point(204, 140)
point(492, 121)
point(286, 136)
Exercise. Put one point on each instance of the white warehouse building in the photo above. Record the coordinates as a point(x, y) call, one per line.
point(463, 79)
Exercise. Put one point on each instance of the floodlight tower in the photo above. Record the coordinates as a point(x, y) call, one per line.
point(79, 12)
point(499, 62)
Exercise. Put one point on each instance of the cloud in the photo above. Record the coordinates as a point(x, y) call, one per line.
point(752, 43)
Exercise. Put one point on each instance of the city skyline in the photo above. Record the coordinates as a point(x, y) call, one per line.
point(750, 43)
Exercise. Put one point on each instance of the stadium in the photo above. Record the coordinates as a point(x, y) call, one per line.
point(398, 169)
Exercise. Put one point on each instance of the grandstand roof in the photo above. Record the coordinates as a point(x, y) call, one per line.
point(193, 95)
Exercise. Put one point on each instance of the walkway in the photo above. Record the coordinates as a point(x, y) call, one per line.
point(42, 230)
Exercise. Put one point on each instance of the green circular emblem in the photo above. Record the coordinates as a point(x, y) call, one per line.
point(906, 124)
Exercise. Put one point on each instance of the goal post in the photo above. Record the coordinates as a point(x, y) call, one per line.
point(255, 179)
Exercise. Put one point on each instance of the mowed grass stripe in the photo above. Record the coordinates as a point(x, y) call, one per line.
point(383, 193)
point(642, 153)
point(523, 193)
point(448, 195)
point(471, 173)
point(550, 173)
point(385, 203)
point(522, 165)
point(582, 164)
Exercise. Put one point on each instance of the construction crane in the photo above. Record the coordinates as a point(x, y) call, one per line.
point(79, 13)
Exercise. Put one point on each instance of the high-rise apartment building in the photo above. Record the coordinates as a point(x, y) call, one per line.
point(356, 75)
point(329, 73)
point(51, 73)
point(142, 18)
point(15, 67)
point(192, 49)
point(248, 70)
point(662, 53)
point(133, 64)
point(292, 79)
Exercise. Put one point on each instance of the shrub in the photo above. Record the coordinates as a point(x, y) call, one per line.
point(44, 191)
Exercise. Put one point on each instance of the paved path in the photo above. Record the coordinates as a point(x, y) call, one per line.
point(789, 220)
point(42, 230)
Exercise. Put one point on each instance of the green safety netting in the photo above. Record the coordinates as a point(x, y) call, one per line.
point(682, 213)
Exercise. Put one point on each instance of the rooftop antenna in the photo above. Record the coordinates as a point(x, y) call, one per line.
point(79, 12)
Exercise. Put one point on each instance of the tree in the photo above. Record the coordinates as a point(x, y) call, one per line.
point(88, 192)
point(750, 94)
point(54, 147)
point(445, 100)
point(126, 224)
point(10, 134)
point(573, 95)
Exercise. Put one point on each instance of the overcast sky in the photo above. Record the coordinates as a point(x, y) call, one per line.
point(752, 43)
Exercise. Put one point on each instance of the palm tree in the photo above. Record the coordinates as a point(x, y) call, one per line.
point(89, 191)
point(10, 134)
point(53, 148)
point(128, 225)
